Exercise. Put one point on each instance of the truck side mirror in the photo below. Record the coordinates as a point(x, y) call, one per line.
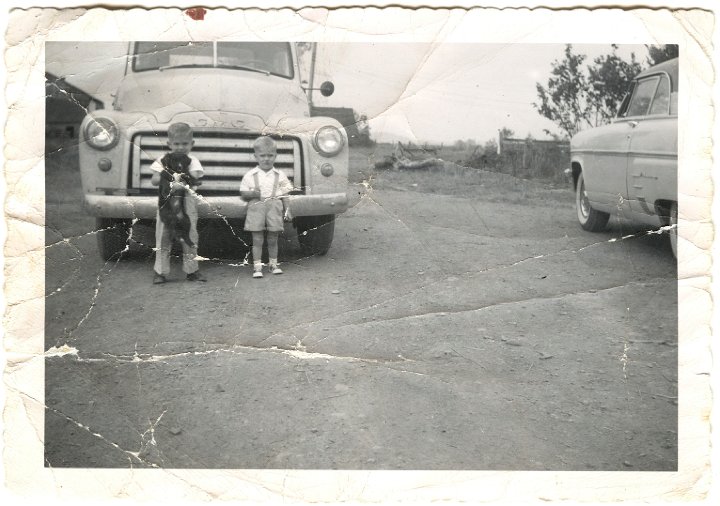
point(327, 88)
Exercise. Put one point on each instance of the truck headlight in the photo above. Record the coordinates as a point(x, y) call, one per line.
point(101, 133)
point(328, 141)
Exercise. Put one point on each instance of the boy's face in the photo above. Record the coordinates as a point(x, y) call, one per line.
point(181, 144)
point(265, 156)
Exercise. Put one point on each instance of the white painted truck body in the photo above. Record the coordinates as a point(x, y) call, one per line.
point(228, 103)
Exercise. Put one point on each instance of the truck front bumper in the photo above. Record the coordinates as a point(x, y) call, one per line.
point(145, 207)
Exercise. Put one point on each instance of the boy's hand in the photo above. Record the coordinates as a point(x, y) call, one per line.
point(250, 194)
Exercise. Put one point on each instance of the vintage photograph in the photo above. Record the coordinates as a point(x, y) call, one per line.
point(358, 254)
point(344, 256)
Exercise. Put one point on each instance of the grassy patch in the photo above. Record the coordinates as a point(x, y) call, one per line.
point(450, 178)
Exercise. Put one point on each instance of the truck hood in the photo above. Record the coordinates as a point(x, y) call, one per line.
point(170, 92)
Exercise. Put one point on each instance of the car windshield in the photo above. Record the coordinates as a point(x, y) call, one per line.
point(265, 57)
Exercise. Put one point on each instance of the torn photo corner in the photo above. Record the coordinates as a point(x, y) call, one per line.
point(458, 243)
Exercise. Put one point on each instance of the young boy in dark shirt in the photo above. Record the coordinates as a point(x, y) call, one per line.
point(177, 174)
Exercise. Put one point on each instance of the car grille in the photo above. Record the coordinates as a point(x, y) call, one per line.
point(225, 156)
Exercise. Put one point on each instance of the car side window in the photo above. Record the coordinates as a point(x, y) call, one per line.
point(640, 101)
point(661, 102)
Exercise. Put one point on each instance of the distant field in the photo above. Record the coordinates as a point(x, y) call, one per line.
point(451, 178)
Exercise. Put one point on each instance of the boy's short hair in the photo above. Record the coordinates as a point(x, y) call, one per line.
point(180, 130)
point(264, 141)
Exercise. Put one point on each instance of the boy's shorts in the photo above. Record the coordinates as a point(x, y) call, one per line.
point(265, 215)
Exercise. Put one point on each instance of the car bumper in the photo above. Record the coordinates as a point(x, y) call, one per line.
point(145, 207)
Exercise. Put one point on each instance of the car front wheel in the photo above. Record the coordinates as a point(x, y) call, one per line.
point(589, 218)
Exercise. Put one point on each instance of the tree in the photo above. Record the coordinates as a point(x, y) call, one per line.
point(489, 156)
point(661, 52)
point(580, 96)
point(555, 136)
point(507, 133)
point(609, 79)
point(564, 100)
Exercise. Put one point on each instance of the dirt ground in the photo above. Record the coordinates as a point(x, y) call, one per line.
point(466, 324)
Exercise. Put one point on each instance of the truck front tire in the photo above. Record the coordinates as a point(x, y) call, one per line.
point(315, 233)
point(112, 237)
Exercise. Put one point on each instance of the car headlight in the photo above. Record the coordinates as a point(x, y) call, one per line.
point(328, 141)
point(101, 133)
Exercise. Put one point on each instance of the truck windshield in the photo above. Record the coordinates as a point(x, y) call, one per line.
point(265, 57)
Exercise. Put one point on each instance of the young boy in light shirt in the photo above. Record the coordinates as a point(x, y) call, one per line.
point(263, 188)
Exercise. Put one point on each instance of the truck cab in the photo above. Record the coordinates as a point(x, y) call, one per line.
point(230, 93)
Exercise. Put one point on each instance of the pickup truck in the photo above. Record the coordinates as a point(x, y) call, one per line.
point(230, 93)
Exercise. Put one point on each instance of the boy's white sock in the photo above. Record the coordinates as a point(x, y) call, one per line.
point(273, 261)
point(257, 266)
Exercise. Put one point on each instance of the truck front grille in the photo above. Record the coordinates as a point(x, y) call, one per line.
point(226, 156)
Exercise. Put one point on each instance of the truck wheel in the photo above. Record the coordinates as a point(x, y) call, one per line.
point(589, 218)
point(315, 233)
point(112, 236)
point(674, 230)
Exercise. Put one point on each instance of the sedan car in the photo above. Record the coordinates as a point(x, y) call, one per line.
point(629, 167)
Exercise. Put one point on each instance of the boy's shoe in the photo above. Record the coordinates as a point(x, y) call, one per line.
point(275, 269)
point(196, 276)
point(257, 273)
point(159, 279)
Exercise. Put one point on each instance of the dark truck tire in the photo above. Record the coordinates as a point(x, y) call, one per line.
point(589, 218)
point(112, 237)
point(315, 233)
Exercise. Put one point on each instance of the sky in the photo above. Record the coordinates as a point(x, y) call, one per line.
point(436, 93)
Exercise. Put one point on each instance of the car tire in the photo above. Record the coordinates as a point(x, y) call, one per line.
point(674, 228)
point(315, 233)
point(590, 219)
point(112, 237)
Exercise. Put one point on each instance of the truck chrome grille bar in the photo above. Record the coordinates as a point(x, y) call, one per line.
point(226, 156)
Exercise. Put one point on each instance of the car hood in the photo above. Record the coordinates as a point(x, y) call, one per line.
point(171, 91)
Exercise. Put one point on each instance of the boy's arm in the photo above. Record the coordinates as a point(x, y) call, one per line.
point(157, 172)
point(246, 191)
point(284, 185)
point(284, 188)
point(196, 169)
point(250, 194)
